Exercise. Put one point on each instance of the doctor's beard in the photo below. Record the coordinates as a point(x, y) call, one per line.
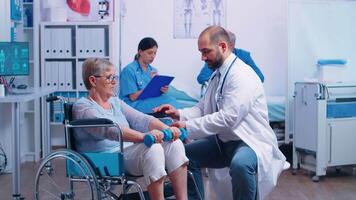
point(215, 64)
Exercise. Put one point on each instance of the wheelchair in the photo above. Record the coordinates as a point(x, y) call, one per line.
point(67, 174)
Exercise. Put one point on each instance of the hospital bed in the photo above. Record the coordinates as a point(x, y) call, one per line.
point(276, 115)
point(182, 97)
point(325, 126)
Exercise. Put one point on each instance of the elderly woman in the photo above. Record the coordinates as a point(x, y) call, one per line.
point(136, 75)
point(100, 79)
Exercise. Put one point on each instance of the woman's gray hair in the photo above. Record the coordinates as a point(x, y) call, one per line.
point(94, 67)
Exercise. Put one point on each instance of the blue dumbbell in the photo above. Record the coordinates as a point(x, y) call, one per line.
point(169, 136)
point(183, 134)
point(149, 140)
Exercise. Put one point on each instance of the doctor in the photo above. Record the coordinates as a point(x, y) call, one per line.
point(230, 123)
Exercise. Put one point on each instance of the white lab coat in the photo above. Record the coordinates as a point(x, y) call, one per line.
point(242, 115)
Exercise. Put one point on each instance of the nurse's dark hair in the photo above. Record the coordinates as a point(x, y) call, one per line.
point(216, 34)
point(146, 43)
point(94, 67)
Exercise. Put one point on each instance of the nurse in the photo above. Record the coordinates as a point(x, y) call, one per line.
point(136, 75)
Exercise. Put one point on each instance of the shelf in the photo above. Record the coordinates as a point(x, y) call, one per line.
point(30, 112)
point(61, 58)
point(84, 58)
point(28, 28)
point(56, 124)
point(27, 3)
point(17, 21)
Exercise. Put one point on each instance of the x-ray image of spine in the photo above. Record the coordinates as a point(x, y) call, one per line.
point(204, 4)
point(188, 17)
point(217, 12)
point(192, 16)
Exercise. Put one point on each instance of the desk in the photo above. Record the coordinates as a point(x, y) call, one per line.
point(15, 101)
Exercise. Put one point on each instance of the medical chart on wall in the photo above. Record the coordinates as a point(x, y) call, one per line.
point(192, 16)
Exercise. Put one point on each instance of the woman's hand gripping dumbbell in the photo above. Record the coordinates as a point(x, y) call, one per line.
point(168, 135)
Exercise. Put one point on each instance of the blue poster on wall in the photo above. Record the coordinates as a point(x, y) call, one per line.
point(15, 10)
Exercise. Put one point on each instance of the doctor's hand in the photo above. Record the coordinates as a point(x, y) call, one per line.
point(164, 89)
point(179, 124)
point(167, 109)
point(175, 132)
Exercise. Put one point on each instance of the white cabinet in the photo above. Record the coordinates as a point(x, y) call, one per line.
point(342, 134)
point(325, 126)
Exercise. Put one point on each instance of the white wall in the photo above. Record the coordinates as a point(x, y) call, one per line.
point(260, 26)
point(5, 23)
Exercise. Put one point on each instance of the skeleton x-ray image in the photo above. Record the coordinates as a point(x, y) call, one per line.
point(192, 16)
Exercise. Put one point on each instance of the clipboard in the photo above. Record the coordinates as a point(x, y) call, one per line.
point(153, 88)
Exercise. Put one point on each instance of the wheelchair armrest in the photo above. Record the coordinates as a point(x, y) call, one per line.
point(89, 122)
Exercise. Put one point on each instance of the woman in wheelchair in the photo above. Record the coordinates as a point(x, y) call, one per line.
point(100, 78)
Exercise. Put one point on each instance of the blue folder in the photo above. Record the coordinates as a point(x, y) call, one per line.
point(153, 88)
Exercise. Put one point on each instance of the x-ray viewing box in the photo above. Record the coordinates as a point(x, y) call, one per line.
point(325, 126)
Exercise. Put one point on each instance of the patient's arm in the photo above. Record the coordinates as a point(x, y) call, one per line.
point(157, 124)
point(83, 111)
point(131, 135)
point(140, 121)
point(136, 119)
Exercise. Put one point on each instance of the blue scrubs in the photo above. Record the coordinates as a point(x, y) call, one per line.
point(132, 79)
point(243, 55)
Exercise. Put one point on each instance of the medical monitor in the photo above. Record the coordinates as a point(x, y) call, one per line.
point(14, 59)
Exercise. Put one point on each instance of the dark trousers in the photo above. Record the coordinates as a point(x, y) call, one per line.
point(211, 152)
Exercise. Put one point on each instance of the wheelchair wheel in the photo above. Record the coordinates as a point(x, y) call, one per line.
point(55, 178)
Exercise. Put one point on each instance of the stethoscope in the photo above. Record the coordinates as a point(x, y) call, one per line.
point(139, 80)
point(220, 97)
